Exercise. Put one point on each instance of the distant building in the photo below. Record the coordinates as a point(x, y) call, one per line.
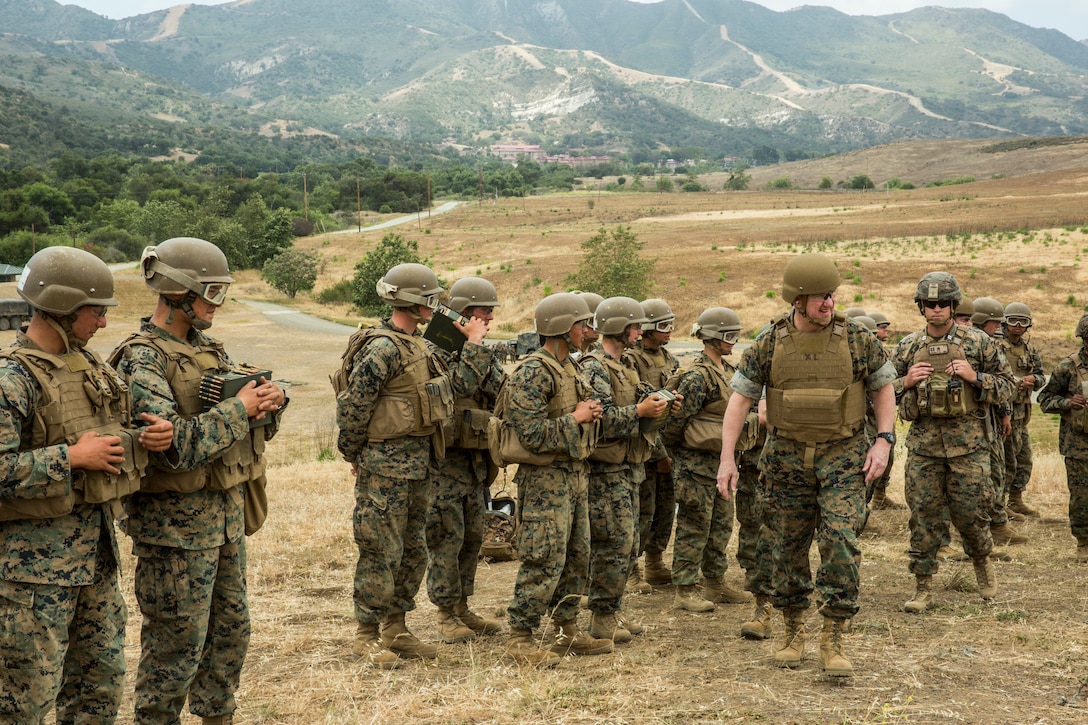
point(8, 273)
point(512, 152)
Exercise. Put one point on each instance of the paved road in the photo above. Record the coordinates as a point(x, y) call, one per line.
point(407, 219)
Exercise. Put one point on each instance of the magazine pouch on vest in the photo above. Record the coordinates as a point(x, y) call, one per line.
point(1078, 418)
point(943, 395)
point(503, 442)
point(467, 427)
point(79, 393)
point(624, 383)
point(813, 397)
point(1020, 361)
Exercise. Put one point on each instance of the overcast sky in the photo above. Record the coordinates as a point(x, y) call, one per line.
point(1068, 16)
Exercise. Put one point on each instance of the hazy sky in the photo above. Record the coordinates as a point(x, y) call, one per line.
point(1068, 16)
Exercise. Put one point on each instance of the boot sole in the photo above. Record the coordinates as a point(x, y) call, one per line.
point(458, 640)
point(541, 664)
point(839, 672)
point(753, 633)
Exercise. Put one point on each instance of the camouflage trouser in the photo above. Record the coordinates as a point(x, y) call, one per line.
point(389, 521)
point(195, 630)
point(1018, 458)
point(998, 515)
point(943, 489)
point(612, 496)
point(704, 522)
point(455, 533)
point(656, 511)
point(62, 645)
point(1076, 477)
point(826, 501)
point(753, 537)
point(553, 544)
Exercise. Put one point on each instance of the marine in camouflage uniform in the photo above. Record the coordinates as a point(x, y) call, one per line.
point(657, 495)
point(1027, 370)
point(1064, 394)
point(704, 520)
point(67, 455)
point(547, 407)
point(187, 522)
point(393, 396)
point(880, 498)
point(817, 366)
point(455, 522)
point(949, 376)
point(616, 464)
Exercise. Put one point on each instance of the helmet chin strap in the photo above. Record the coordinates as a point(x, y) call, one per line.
point(185, 304)
point(63, 327)
point(803, 310)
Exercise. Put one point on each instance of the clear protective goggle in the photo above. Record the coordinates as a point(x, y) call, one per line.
point(1018, 321)
point(215, 293)
point(662, 326)
point(730, 337)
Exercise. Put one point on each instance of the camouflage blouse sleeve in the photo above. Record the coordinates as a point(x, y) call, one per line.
point(616, 421)
point(531, 388)
point(694, 387)
point(38, 473)
point(198, 440)
point(995, 383)
point(1057, 395)
point(373, 366)
point(470, 370)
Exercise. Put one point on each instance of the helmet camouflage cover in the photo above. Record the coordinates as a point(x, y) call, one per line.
point(938, 286)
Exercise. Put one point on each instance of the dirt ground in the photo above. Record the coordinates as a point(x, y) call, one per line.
point(1019, 659)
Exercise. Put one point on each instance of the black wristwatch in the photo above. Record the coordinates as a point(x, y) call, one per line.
point(890, 437)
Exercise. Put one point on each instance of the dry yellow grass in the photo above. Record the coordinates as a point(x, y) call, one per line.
point(1017, 660)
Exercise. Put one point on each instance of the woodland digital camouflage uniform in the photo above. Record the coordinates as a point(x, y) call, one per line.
point(753, 537)
point(191, 549)
point(613, 494)
point(1056, 397)
point(827, 499)
point(1018, 459)
point(657, 494)
point(948, 459)
point(704, 520)
point(455, 521)
point(393, 480)
point(553, 530)
point(52, 571)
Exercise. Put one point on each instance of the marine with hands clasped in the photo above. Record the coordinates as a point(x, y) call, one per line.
point(455, 522)
point(949, 376)
point(188, 521)
point(394, 394)
point(616, 463)
point(817, 366)
point(1027, 371)
point(657, 502)
point(704, 520)
point(547, 424)
point(71, 451)
point(1066, 393)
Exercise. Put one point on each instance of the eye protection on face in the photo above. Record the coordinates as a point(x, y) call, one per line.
point(1019, 321)
point(663, 326)
point(215, 293)
point(934, 304)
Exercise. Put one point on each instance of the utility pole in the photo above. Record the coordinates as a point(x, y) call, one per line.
point(358, 205)
point(305, 199)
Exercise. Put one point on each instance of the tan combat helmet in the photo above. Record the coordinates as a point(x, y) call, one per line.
point(1082, 328)
point(592, 299)
point(614, 314)
point(854, 311)
point(809, 274)
point(60, 280)
point(987, 309)
point(1018, 314)
point(880, 318)
point(187, 264)
point(659, 316)
point(410, 284)
point(472, 292)
point(966, 307)
point(717, 323)
point(557, 313)
point(868, 322)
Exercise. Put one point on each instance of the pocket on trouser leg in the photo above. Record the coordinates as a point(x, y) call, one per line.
point(30, 654)
point(162, 580)
point(538, 540)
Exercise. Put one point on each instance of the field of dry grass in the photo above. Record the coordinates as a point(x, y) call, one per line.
point(1020, 659)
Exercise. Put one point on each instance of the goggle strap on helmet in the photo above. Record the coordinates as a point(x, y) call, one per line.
point(393, 292)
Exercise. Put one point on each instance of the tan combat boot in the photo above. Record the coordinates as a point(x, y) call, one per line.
point(881, 501)
point(452, 629)
point(607, 626)
point(217, 720)
point(368, 645)
point(690, 599)
point(986, 578)
point(922, 594)
point(478, 624)
point(404, 644)
point(656, 571)
point(635, 583)
point(717, 591)
point(1005, 534)
point(794, 648)
point(759, 626)
point(1081, 556)
point(832, 661)
point(522, 649)
point(573, 641)
point(1016, 503)
point(631, 625)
